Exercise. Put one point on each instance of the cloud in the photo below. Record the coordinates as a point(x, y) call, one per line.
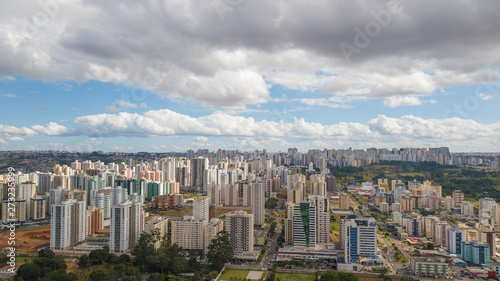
point(396, 101)
point(202, 56)
point(111, 108)
point(51, 129)
point(9, 95)
point(131, 105)
point(42, 107)
point(127, 104)
point(487, 96)
point(382, 131)
point(16, 139)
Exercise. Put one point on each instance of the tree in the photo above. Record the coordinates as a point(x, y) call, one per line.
point(338, 276)
point(145, 248)
point(97, 275)
point(193, 265)
point(220, 250)
point(54, 264)
point(124, 258)
point(84, 261)
point(28, 271)
point(46, 253)
point(100, 256)
point(157, 277)
point(60, 275)
point(213, 274)
point(124, 272)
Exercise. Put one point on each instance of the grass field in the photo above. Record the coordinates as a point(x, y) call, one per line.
point(310, 277)
point(25, 259)
point(295, 277)
point(335, 226)
point(234, 273)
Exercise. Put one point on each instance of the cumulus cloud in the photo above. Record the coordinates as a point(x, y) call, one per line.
point(396, 101)
point(231, 59)
point(487, 96)
point(380, 131)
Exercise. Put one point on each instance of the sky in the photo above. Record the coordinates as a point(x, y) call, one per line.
point(165, 76)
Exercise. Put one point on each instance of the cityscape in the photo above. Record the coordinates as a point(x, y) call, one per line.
point(236, 140)
point(364, 212)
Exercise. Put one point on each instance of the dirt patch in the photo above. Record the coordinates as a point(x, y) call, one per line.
point(221, 210)
point(27, 241)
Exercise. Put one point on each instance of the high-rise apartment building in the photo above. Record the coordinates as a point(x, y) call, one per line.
point(258, 202)
point(158, 224)
point(344, 199)
point(239, 225)
point(458, 197)
point(360, 239)
point(201, 208)
point(322, 218)
point(188, 232)
point(126, 225)
point(15, 212)
point(304, 225)
point(67, 224)
point(317, 184)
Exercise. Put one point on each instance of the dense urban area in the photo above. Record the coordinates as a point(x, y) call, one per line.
point(332, 214)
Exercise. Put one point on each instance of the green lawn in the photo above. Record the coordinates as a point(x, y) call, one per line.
point(25, 259)
point(234, 273)
point(335, 226)
point(295, 277)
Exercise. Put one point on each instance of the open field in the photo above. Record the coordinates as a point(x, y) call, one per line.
point(27, 241)
point(295, 277)
point(234, 273)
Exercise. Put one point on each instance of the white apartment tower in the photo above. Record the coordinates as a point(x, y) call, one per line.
point(67, 224)
point(239, 225)
point(258, 202)
point(201, 208)
point(119, 235)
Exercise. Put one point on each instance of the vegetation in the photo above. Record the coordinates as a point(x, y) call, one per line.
point(47, 266)
point(220, 251)
point(271, 203)
point(338, 276)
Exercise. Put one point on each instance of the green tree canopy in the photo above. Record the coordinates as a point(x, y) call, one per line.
point(220, 250)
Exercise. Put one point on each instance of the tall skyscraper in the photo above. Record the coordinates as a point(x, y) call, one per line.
point(119, 235)
point(458, 197)
point(67, 224)
point(360, 239)
point(201, 207)
point(322, 218)
point(344, 199)
point(304, 225)
point(317, 184)
point(239, 225)
point(258, 202)
point(126, 225)
point(198, 166)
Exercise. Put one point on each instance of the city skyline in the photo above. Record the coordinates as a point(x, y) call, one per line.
point(173, 76)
